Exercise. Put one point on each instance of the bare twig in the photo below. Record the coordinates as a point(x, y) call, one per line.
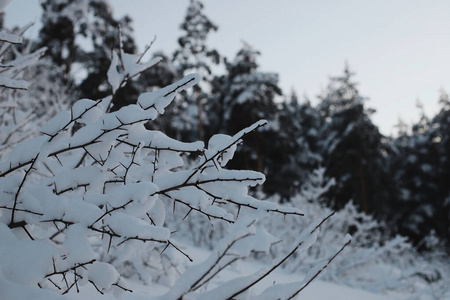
point(16, 197)
point(280, 262)
point(305, 284)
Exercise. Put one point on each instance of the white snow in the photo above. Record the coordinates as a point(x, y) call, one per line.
point(56, 123)
point(23, 261)
point(87, 111)
point(161, 98)
point(317, 290)
point(93, 206)
point(12, 83)
point(103, 274)
point(10, 38)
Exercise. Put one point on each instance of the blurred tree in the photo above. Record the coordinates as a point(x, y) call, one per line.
point(440, 132)
point(299, 126)
point(80, 36)
point(422, 170)
point(352, 148)
point(194, 55)
point(242, 96)
point(415, 172)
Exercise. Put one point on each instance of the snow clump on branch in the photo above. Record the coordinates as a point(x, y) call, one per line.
point(79, 205)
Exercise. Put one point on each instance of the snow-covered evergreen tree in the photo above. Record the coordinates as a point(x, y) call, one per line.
point(352, 148)
point(194, 55)
point(300, 124)
point(242, 96)
point(80, 36)
point(440, 131)
point(421, 171)
point(80, 208)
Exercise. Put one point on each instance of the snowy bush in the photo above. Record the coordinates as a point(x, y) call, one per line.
point(20, 115)
point(84, 203)
point(374, 260)
point(364, 265)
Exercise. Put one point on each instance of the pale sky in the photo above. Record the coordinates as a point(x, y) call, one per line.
point(399, 49)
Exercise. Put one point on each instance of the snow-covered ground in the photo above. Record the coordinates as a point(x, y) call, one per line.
point(317, 290)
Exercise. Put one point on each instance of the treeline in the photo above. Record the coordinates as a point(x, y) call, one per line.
point(402, 180)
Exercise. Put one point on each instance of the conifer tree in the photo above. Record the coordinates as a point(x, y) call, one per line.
point(352, 148)
point(440, 131)
point(83, 34)
point(421, 170)
point(415, 175)
point(194, 55)
point(299, 125)
point(241, 96)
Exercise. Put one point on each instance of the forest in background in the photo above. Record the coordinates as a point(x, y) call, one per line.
point(319, 158)
point(403, 180)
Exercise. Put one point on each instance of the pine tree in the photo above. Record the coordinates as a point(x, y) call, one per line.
point(415, 169)
point(352, 148)
point(299, 125)
point(440, 137)
point(241, 96)
point(80, 36)
point(194, 55)
point(422, 171)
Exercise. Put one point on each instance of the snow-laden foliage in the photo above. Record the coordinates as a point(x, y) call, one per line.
point(85, 202)
point(352, 149)
point(421, 170)
point(20, 114)
point(191, 115)
point(79, 36)
point(373, 261)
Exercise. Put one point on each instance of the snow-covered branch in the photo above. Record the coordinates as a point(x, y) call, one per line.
point(90, 195)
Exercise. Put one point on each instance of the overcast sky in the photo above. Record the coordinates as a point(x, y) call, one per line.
point(399, 50)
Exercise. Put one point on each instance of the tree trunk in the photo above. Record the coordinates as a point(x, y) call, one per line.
point(363, 187)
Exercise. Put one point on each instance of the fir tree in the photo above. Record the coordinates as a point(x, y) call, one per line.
point(421, 169)
point(242, 96)
point(415, 174)
point(194, 55)
point(83, 34)
point(440, 131)
point(299, 125)
point(352, 148)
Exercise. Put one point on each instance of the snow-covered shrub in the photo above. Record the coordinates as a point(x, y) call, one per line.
point(84, 203)
point(361, 265)
point(373, 261)
point(30, 89)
